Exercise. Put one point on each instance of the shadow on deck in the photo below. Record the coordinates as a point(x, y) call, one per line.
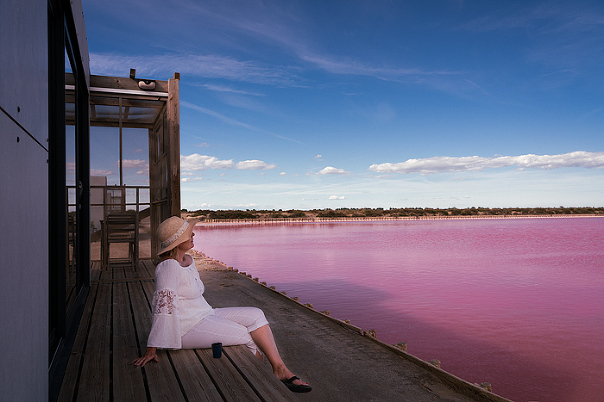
point(113, 331)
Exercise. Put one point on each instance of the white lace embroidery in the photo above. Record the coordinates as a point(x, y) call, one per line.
point(164, 302)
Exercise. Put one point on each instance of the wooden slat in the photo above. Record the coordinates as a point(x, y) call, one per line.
point(161, 380)
point(135, 273)
point(147, 269)
point(95, 378)
point(258, 375)
point(118, 272)
point(128, 382)
point(68, 387)
point(95, 271)
point(232, 386)
point(113, 331)
point(196, 382)
point(148, 288)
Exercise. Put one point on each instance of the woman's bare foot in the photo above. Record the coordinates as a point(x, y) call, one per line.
point(294, 384)
point(290, 380)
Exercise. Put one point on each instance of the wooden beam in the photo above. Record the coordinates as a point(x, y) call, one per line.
point(174, 148)
point(136, 101)
point(124, 83)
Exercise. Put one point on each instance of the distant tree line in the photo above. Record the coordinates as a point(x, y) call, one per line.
point(392, 212)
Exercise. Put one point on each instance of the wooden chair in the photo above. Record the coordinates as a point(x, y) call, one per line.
point(120, 228)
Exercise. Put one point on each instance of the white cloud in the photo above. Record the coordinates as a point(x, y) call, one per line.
point(439, 164)
point(283, 174)
point(333, 170)
point(220, 88)
point(202, 205)
point(189, 179)
point(141, 165)
point(196, 162)
point(233, 122)
point(247, 206)
point(195, 65)
point(319, 157)
point(254, 164)
point(337, 197)
point(219, 116)
point(95, 172)
point(351, 67)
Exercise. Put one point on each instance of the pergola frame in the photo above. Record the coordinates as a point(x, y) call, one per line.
point(131, 102)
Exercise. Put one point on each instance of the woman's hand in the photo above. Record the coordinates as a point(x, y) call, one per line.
point(150, 355)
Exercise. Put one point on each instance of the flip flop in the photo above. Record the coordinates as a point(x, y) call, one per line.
point(296, 387)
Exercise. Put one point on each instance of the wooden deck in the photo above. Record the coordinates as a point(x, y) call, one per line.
point(113, 331)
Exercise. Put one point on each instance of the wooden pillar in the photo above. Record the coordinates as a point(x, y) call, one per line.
point(174, 127)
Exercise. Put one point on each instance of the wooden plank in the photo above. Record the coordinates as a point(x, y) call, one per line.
point(161, 379)
point(149, 289)
point(95, 378)
point(128, 101)
point(95, 271)
point(118, 272)
point(70, 379)
point(128, 384)
point(196, 382)
point(132, 273)
point(147, 269)
point(258, 374)
point(232, 386)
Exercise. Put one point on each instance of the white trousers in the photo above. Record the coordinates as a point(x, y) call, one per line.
point(229, 326)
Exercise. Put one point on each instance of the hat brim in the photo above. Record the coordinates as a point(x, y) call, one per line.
point(183, 238)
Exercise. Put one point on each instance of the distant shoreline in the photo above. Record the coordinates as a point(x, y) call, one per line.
point(389, 214)
point(383, 218)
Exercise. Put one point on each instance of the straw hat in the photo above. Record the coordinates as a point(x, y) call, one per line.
point(174, 231)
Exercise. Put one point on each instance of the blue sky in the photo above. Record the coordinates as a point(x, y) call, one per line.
point(330, 104)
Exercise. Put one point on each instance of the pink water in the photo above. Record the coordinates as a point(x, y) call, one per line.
point(518, 303)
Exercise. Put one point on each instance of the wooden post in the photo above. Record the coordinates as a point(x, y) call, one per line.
point(402, 346)
point(174, 127)
point(435, 362)
point(486, 386)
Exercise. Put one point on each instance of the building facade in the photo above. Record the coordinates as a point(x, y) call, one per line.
point(37, 39)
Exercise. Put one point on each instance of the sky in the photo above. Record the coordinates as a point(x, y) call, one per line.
point(368, 104)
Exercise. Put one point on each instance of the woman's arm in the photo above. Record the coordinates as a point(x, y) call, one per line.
point(149, 355)
point(165, 327)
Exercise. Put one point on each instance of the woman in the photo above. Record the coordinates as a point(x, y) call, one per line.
point(183, 319)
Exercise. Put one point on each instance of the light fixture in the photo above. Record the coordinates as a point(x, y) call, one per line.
point(147, 85)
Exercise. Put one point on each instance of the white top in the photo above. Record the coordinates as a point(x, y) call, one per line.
point(178, 303)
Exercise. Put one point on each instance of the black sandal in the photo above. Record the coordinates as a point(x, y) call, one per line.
point(295, 387)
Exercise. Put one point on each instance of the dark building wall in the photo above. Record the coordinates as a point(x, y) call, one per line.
point(24, 239)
